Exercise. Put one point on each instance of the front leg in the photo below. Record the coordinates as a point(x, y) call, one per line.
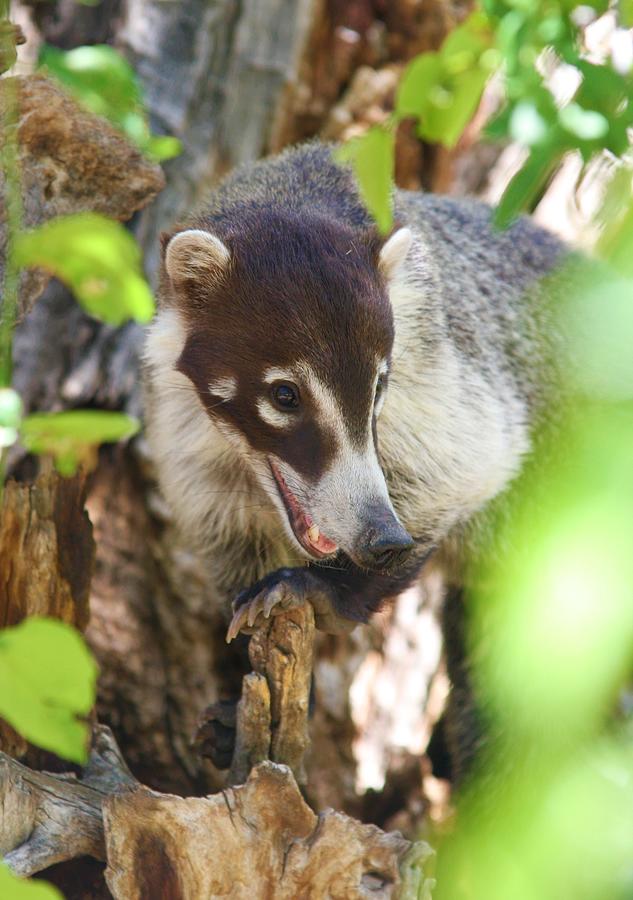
point(341, 593)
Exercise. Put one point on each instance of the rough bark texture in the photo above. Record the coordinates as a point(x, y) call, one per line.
point(46, 560)
point(252, 842)
point(48, 819)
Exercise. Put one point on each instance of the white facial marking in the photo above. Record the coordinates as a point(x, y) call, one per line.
point(274, 374)
point(272, 416)
point(354, 475)
point(225, 388)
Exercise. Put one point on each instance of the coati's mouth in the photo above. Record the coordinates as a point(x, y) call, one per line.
point(306, 532)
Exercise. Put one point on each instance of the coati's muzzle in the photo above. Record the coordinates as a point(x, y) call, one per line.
point(385, 544)
point(351, 514)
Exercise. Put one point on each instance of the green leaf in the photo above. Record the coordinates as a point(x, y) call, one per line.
point(527, 125)
point(465, 44)
point(161, 147)
point(420, 76)
point(372, 158)
point(527, 184)
point(14, 888)
point(104, 82)
point(448, 114)
point(98, 76)
point(71, 437)
point(47, 679)
point(97, 258)
point(586, 124)
point(625, 9)
point(443, 90)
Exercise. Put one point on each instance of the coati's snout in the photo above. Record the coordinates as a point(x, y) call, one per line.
point(386, 545)
point(346, 509)
point(289, 343)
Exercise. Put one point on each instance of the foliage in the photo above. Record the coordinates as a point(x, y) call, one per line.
point(372, 158)
point(97, 259)
point(47, 679)
point(71, 437)
point(522, 42)
point(14, 888)
point(105, 83)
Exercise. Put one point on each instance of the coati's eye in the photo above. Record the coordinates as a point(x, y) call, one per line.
point(285, 395)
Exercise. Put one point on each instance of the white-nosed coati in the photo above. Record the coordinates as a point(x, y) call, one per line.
point(326, 408)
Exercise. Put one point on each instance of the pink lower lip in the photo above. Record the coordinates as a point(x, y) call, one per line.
point(300, 520)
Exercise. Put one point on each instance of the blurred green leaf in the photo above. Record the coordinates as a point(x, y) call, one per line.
point(464, 45)
point(527, 183)
point(14, 888)
point(372, 158)
point(47, 680)
point(97, 75)
point(526, 125)
point(585, 124)
point(419, 78)
point(447, 114)
point(72, 437)
point(443, 90)
point(625, 9)
point(162, 147)
point(103, 81)
point(97, 258)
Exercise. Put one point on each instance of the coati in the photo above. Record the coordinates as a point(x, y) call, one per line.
point(327, 408)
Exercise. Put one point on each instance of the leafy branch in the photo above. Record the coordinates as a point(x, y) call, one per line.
point(521, 43)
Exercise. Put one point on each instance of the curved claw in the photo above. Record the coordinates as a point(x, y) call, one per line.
point(262, 603)
point(235, 626)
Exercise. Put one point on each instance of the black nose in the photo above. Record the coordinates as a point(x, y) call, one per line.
point(387, 550)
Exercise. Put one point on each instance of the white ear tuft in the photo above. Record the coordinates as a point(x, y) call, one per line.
point(195, 254)
point(394, 251)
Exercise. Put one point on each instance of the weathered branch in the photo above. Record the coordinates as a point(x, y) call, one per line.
point(273, 711)
point(257, 840)
point(52, 818)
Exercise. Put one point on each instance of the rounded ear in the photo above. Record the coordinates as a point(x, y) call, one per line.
point(394, 251)
point(195, 254)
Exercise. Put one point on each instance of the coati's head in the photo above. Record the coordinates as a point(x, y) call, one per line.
point(289, 337)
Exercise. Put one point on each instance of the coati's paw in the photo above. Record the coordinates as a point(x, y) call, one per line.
point(276, 593)
point(280, 591)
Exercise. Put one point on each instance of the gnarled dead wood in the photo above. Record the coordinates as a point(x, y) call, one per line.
point(48, 818)
point(257, 840)
point(282, 652)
